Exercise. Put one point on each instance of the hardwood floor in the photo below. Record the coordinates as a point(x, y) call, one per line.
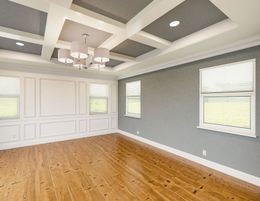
point(111, 167)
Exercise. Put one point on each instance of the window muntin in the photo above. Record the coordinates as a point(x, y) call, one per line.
point(133, 99)
point(9, 97)
point(227, 98)
point(98, 98)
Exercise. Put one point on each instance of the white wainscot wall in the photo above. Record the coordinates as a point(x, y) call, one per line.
point(55, 108)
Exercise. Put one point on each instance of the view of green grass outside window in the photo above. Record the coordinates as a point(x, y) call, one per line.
point(98, 105)
point(133, 106)
point(133, 99)
point(9, 97)
point(228, 111)
point(9, 107)
point(98, 98)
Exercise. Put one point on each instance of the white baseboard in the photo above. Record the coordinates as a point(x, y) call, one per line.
point(221, 168)
point(33, 142)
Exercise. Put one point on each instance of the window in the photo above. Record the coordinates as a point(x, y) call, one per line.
point(133, 99)
point(227, 98)
point(9, 97)
point(98, 99)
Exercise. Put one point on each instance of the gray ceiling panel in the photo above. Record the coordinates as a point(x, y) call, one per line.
point(73, 31)
point(113, 63)
point(22, 18)
point(193, 15)
point(132, 48)
point(9, 44)
point(120, 10)
point(55, 53)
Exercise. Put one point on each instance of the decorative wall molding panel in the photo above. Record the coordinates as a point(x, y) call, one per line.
point(48, 129)
point(57, 97)
point(29, 131)
point(29, 97)
point(55, 108)
point(9, 133)
point(98, 124)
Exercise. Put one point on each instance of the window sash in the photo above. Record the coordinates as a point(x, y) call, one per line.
point(127, 104)
point(18, 107)
point(225, 96)
point(98, 90)
point(249, 62)
point(12, 87)
point(250, 132)
point(131, 91)
point(101, 98)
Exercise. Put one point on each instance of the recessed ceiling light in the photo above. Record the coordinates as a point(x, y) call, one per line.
point(174, 23)
point(19, 44)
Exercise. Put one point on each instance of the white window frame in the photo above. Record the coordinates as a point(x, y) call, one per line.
point(251, 132)
point(127, 114)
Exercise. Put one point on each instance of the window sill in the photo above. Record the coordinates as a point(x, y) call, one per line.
point(242, 132)
point(97, 114)
point(9, 118)
point(133, 116)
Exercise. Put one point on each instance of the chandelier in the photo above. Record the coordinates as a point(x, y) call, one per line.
point(79, 56)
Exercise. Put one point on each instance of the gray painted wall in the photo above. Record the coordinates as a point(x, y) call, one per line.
point(170, 114)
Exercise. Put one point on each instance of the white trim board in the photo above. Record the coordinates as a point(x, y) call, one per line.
point(221, 168)
point(35, 142)
point(240, 45)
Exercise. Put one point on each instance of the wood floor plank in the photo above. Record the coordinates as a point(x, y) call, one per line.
point(111, 167)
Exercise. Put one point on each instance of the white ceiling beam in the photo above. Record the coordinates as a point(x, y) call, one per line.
point(150, 13)
point(37, 39)
point(19, 56)
point(240, 45)
point(124, 66)
point(114, 40)
point(98, 21)
point(55, 20)
point(94, 20)
point(199, 36)
point(103, 23)
point(151, 40)
point(236, 10)
point(42, 5)
point(20, 35)
point(121, 57)
point(27, 61)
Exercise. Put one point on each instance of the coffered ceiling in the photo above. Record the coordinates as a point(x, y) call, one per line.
point(120, 10)
point(136, 32)
point(193, 16)
point(19, 17)
point(132, 48)
point(10, 44)
point(72, 31)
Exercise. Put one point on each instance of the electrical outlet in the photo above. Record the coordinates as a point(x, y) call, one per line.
point(137, 132)
point(204, 152)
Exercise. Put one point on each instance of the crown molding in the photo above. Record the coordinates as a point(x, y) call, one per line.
point(243, 44)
